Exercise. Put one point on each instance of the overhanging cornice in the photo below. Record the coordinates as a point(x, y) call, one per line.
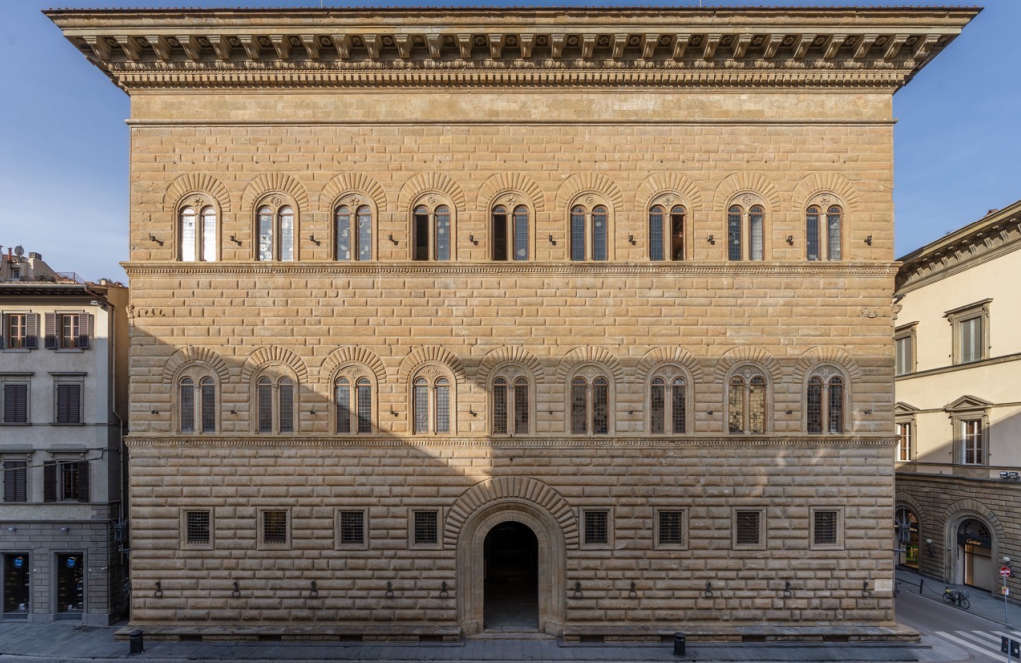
point(422, 47)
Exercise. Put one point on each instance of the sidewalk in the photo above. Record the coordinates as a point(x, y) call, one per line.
point(21, 642)
point(983, 604)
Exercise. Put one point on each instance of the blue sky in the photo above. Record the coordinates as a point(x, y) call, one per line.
point(64, 144)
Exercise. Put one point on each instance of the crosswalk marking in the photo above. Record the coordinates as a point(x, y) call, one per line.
point(981, 642)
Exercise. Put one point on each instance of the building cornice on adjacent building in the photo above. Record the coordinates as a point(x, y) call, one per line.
point(880, 48)
point(993, 235)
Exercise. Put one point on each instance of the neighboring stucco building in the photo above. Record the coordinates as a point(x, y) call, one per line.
point(449, 320)
point(63, 390)
point(959, 401)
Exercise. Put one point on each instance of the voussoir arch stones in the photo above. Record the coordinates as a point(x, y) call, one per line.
point(500, 488)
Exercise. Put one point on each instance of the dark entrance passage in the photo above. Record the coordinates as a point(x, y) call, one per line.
point(70, 585)
point(511, 578)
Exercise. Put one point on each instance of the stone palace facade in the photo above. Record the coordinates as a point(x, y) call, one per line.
point(449, 321)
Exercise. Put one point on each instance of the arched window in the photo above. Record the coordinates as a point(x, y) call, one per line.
point(354, 411)
point(666, 236)
point(833, 237)
point(276, 230)
point(187, 405)
point(197, 234)
point(431, 232)
point(590, 233)
point(275, 404)
point(354, 242)
point(746, 402)
point(196, 408)
point(668, 402)
point(511, 409)
point(825, 401)
point(590, 403)
point(750, 224)
point(432, 402)
point(812, 233)
point(510, 233)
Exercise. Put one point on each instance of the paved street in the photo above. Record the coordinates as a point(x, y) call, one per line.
point(949, 635)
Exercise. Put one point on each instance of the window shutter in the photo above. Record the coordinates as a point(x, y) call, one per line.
point(51, 331)
point(50, 482)
point(32, 338)
point(15, 403)
point(3, 331)
point(15, 481)
point(84, 330)
point(83, 481)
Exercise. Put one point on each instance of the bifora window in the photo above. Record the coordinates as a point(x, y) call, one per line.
point(666, 232)
point(590, 232)
point(590, 406)
point(352, 394)
point(824, 402)
point(746, 401)
point(668, 402)
point(745, 232)
point(817, 227)
point(510, 233)
point(197, 235)
point(275, 405)
point(353, 230)
point(275, 223)
point(431, 232)
point(432, 402)
point(512, 414)
point(197, 409)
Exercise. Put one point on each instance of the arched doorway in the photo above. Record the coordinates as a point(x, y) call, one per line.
point(906, 537)
point(471, 562)
point(975, 552)
point(511, 578)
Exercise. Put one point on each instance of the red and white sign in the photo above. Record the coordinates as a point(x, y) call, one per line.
point(1005, 571)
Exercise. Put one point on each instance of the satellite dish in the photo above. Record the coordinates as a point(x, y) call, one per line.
point(19, 250)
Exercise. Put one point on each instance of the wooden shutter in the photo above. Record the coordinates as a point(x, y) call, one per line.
point(3, 331)
point(15, 404)
point(51, 331)
point(32, 337)
point(15, 481)
point(50, 482)
point(83, 481)
point(84, 330)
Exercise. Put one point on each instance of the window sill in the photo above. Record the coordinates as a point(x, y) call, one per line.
point(61, 423)
point(17, 350)
point(15, 423)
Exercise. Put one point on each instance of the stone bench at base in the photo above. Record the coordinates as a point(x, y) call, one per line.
point(622, 633)
point(293, 632)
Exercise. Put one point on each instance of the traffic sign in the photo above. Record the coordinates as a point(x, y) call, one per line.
point(1005, 571)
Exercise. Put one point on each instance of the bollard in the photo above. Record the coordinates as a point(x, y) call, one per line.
point(136, 646)
point(679, 644)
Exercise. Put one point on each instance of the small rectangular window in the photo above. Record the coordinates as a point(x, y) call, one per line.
point(670, 528)
point(904, 441)
point(274, 527)
point(15, 331)
point(971, 340)
point(69, 403)
point(748, 529)
point(351, 528)
point(597, 526)
point(15, 481)
point(825, 525)
point(426, 529)
point(197, 530)
point(903, 355)
point(66, 481)
point(15, 399)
